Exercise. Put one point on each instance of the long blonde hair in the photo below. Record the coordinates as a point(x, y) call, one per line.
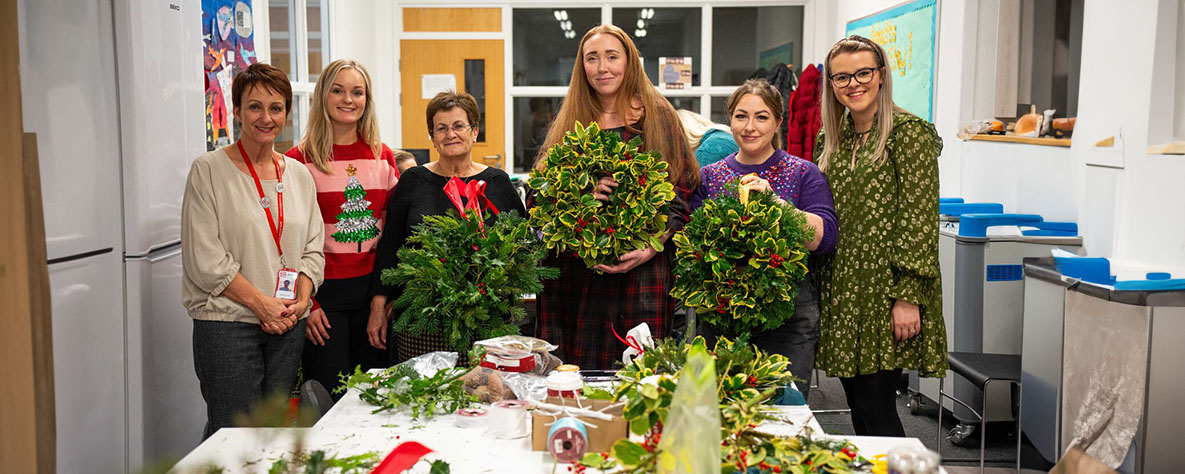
point(696, 125)
point(317, 143)
point(661, 126)
point(833, 112)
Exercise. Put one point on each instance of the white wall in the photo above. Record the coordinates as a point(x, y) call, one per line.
point(1135, 211)
point(364, 30)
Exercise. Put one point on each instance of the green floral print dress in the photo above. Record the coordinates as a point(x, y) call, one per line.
point(887, 250)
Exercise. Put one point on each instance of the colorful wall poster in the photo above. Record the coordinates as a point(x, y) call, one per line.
point(228, 46)
point(908, 34)
point(674, 72)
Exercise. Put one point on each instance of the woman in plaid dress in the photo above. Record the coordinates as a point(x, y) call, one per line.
point(581, 310)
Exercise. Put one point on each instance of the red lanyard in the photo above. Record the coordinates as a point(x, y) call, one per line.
point(276, 230)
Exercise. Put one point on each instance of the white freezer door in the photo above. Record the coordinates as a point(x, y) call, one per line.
point(166, 413)
point(88, 351)
point(161, 111)
point(69, 99)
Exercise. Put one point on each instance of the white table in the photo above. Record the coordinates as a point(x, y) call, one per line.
point(350, 428)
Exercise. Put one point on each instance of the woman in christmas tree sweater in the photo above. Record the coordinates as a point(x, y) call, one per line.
point(755, 110)
point(354, 173)
point(452, 123)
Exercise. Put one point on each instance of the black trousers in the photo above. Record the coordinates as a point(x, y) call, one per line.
point(873, 401)
point(347, 348)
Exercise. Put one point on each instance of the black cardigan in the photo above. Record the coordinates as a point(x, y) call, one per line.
point(420, 193)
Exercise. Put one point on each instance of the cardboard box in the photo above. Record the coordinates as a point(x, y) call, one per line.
point(600, 439)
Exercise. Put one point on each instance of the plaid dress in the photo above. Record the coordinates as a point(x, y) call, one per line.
point(580, 310)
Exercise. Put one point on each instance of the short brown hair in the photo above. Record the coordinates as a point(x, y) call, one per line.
point(768, 94)
point(450, 99)
point(261, 75)
point(401, 155)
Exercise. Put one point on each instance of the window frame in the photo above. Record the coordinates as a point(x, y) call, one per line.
point(298, 38)
point(705, 91)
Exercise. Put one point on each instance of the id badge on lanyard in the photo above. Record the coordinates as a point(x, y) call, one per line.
point(286, 276)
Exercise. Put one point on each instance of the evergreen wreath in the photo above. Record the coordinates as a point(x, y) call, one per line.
point(463, 284)
point(572, 221)
point(747, 381)
point(741, 263)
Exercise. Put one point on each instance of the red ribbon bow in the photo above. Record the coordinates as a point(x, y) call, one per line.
point(629, 341)
point(402, 458)
point(474, 193)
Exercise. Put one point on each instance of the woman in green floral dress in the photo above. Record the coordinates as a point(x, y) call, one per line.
point(880, 291)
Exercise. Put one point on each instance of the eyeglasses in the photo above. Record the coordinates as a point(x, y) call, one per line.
point(862, 76)
point(442, 130)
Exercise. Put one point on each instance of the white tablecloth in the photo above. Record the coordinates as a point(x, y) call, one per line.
point(350, 428)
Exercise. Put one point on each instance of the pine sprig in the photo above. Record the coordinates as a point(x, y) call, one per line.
point(572, 221)
point(465, 285)
point(401, 386)
point(740, 264)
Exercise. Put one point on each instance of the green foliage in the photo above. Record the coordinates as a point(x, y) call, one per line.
point(740, 264)
point(465, 285)
point(747, 380)
point(317, 462)
point(574, 222)
point(439, 467)
point(401, 386)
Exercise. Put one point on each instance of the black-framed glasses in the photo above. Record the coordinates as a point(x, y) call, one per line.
point(459, 128)
point(862, 76)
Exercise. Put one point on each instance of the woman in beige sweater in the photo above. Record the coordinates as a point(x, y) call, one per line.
point(250, 227)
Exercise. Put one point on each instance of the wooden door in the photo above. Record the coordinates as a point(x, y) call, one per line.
point(420, 57)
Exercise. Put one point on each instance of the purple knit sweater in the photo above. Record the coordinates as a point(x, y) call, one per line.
point(793, 179)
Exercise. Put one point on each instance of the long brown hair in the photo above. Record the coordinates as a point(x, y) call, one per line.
point(832, 111)
point(661, 126)
point(317, 143)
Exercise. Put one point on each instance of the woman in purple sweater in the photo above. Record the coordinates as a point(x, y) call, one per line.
point(755, 110)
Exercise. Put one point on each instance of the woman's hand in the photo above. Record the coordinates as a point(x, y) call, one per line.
point(629, 261)
point(759, 184)
point(273, 314)
point(907, 320)
point(605, 187)
point(376, 325)
point(317, 328)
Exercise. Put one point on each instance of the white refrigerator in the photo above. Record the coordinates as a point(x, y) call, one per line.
point(161, 108)
point(113, 90)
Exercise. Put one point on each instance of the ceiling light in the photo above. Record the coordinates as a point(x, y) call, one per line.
point(649, 13)
point(564, 15)
point(557, 15)
point(570, 34)
point(567, 25)
point(641, 24)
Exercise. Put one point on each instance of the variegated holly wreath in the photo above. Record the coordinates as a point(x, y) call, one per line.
point(739, 261)
point(574, 222)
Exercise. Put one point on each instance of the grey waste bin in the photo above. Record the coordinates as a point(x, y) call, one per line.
point(948, 228)
point(1041, 367)
point(988, 294)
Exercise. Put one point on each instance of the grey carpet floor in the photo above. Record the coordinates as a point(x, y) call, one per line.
point(829, 396)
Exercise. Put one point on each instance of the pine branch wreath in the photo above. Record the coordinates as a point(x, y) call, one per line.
point(741, 263)
point(465, 285)
point(572, 221)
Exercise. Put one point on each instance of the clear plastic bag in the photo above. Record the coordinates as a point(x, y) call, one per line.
point(974, 127)
point(428, 364)
point(527, 385)
point(488, 385)
point(516, 346)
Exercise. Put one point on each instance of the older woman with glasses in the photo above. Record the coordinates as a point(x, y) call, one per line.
point(880, 292)
point(452, 122)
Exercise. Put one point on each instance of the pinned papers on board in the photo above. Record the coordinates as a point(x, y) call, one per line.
point(432, 84)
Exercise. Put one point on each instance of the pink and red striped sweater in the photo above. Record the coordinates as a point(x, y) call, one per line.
point(378, 178)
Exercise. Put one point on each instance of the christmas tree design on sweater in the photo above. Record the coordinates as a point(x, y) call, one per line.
point(356, 223)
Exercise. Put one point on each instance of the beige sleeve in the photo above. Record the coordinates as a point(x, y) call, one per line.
point(205, 261)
